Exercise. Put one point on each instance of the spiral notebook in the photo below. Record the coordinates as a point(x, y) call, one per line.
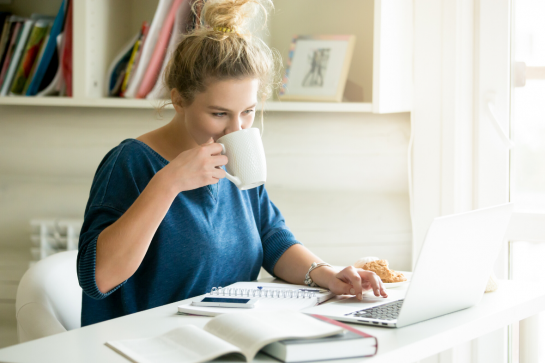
point(271, 297)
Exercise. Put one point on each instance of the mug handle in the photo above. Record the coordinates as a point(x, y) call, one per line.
point(235, 180)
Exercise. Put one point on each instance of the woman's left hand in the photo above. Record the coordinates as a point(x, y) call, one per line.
point(355, 281)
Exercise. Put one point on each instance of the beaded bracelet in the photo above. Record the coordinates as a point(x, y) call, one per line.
point(308, 280)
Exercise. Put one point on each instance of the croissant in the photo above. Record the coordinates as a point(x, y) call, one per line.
point(380, 267)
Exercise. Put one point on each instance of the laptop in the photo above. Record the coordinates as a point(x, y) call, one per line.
point(451, 273)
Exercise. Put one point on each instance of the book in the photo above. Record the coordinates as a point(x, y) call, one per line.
point(4, 38)
point(131, 63)
point(118, 68)
point(53, 75)
point(48, 54)
point(239, 334)
point(30, 54)
point(17, 24)
point(65, 54)
point(40, 55)
point(159, 91)
point(17, 55)
point(156, 61)
point(4, 17)
point(148, 46)
point(271, 297)
point(350, 343)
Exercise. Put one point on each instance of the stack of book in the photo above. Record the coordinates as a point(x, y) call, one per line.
point(286, 335)
point(137, 71)
point(36, 54)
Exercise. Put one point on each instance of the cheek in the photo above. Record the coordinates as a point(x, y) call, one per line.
point(249, 120)
point(199, 127)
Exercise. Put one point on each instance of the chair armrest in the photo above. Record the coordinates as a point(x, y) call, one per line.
point(35, 321)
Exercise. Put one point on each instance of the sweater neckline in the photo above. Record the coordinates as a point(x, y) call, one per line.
point(213, 189)
point(146, 146)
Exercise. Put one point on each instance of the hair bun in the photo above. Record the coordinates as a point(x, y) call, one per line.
point(232, 14)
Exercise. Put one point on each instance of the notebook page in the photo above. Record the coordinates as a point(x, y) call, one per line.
point(251, 332)
point(252, 285)
point(187, 344)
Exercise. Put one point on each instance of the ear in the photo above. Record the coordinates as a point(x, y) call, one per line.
point(176, 99)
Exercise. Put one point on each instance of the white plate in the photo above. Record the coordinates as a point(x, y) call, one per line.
point(391, 285)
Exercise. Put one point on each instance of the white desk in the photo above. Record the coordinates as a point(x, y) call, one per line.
point(514, 301)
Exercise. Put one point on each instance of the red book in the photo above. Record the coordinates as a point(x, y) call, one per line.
point(352, 343)
point(66, 52)
point(156, 61)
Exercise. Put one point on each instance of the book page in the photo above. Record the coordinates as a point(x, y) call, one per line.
point(252, 331)
point(187, 344)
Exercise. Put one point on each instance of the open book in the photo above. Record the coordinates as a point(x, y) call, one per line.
point(240, 334)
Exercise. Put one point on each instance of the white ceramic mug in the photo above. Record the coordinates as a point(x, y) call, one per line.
point(247, 167)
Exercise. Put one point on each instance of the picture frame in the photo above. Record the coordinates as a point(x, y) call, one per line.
point(317, 68)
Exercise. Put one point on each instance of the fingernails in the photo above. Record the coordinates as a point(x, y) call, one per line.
point(360, 297)
point(352, 291)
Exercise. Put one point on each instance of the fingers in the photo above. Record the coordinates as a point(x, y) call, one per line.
point(374, 282)
point(355, 281)
point(218, 174)
point(350, 276)
point(212, 148)
point(219, 160)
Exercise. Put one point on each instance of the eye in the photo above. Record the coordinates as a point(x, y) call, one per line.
point(219, 114)
point(248, 111)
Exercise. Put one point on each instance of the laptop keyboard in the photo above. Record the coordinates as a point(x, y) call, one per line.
point(388, 311)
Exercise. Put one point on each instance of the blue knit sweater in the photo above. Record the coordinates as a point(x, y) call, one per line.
point(211, 236)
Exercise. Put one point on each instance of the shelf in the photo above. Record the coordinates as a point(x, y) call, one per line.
point(379, 78)
point(274, 106)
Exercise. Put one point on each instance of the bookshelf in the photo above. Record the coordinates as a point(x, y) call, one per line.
point(379, 77)
point(149, 104)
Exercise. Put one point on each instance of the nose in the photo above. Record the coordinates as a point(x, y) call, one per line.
point(235, 124)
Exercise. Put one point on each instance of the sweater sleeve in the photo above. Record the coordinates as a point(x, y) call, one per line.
point(276, 237)
point(115, 187)
point(97, 218)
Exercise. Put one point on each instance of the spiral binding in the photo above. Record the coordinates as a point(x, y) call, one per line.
point(267, 293)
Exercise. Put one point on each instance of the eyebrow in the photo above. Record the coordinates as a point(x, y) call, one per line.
point(225, 109)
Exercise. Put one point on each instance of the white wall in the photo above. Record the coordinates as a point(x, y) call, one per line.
point(340, 179)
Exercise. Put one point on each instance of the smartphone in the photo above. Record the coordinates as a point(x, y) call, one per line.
point(226, 302)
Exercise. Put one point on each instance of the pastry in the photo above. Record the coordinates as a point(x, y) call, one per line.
point(362, 261)
point(380, 267)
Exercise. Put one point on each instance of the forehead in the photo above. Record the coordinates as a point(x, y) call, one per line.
point(230, 92)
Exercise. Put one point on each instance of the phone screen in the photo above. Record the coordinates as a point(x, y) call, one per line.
point(225, 300)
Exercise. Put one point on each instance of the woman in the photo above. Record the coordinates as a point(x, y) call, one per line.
point(162, 223)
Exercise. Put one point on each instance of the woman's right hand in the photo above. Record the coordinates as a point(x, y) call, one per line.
point(197, 167)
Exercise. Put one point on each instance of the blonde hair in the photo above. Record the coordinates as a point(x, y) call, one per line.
point(210, 53)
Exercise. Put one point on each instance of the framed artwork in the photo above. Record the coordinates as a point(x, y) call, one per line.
point(317, 68)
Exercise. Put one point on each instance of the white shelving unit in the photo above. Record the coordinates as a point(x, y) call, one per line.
point(136, 103)
point(380, 76)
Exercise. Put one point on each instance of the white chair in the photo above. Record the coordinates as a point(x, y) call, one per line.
point(49, 298)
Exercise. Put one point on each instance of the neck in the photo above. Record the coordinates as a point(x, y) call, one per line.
point(177, 136)
point(170, 140)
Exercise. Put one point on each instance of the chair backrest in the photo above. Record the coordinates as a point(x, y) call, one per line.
point(49, 298)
